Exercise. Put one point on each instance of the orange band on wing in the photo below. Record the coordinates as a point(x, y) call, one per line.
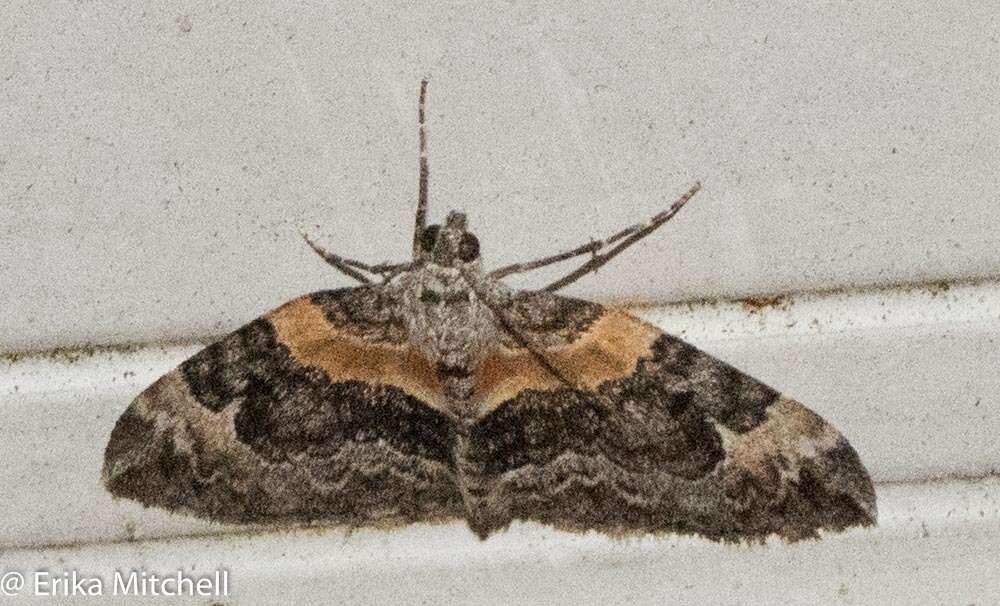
point(609, 349)
point(312, 341)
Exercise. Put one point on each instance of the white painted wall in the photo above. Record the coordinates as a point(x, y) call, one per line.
point(158, 159)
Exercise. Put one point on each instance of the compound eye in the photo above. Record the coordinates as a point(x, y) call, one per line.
point(468, 248)
point(429, 237)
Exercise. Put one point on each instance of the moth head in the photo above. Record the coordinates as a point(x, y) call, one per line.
point(451, 244)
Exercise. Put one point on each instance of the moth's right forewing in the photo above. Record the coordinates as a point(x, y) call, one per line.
point(657, 436)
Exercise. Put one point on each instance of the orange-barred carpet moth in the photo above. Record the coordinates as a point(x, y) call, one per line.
point(433, 391)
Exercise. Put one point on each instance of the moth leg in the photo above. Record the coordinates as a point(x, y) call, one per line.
point(626, 237)
point(591, 247)
point(421, 218)
point(350, 266)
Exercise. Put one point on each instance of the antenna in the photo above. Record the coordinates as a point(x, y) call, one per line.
point(421, 219)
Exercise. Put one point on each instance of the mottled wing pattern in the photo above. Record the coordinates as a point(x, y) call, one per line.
point(317, 411)
point(655, 436)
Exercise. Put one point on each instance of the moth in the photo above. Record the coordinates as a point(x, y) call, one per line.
point(432, 391)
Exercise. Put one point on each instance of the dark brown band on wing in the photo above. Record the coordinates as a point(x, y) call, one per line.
point(367, 312)
point(551, 319)
point(271, 400)
point(737, 400)
point(636, 424)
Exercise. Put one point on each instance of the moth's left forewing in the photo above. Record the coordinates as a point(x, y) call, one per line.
point(656, 436)
point(318, 410)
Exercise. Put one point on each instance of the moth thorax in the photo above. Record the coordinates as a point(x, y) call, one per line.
point(448, 323)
